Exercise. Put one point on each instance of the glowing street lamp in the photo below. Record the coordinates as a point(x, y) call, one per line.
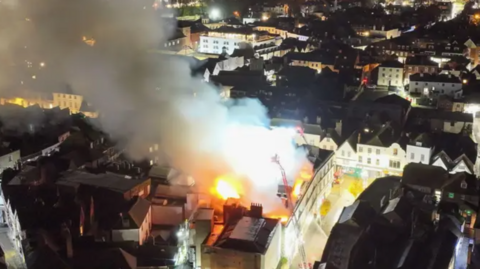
point(215, 14)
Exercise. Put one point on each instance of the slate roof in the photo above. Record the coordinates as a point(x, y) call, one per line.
point(249, 234)
point(136, 213)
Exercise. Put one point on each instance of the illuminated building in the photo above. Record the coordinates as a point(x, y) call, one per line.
point(68, 100)
point(26, 99)
point(233, 38)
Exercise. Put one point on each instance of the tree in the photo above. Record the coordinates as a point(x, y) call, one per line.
point(356, 188)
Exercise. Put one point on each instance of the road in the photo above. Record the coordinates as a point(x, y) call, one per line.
point(339, 202)
point(314, 245)
point(12, 257)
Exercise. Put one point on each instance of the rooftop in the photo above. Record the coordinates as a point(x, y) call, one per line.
point(247, 235)
point(107, 181)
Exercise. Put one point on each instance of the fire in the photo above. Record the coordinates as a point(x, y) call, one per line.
point(226, 190)
point(283, 219)
point(297, 187)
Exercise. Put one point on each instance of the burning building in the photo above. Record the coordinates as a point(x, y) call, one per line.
point(223, 232)
point(244, 240)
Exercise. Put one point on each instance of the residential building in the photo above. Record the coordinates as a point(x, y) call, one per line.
point(457, 188)
point(435, 85)
point(68, 99)
point(8, 158)
point(178, 40)
point(227, 39)
point(243, 242)
point(134, 223)
point(419, 149)
point(381, 150)
point(436, 120)
point(26, 99)
point(454, 152)
point(311, 134)
point(124, 187)
point(390, 73)
point(419, 64)
point(346, 154)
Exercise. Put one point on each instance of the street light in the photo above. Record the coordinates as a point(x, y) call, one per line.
point(215, 14)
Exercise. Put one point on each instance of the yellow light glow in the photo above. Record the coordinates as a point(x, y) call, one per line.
point(477, 16)
point(226, 190)
point(464, 81)
point(265, 18)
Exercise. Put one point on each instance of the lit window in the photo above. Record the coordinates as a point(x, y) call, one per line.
point(395, 152)
point(451, 195)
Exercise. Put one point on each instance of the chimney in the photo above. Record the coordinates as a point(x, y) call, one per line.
point(232, 210)
point(383, 27)
point(359, 138)
point(101, 140)
point(338, 127)
point(256, 210)
point(139, 170)
point(68, 240)
point(91, 145)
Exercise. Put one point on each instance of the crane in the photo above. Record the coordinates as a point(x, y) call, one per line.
point(300, 132)
point(304, 264)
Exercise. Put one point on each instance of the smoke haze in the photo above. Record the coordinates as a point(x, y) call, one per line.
point(145, 97)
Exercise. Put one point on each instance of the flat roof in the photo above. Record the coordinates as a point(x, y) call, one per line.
point(204, 214)
point(109, 181)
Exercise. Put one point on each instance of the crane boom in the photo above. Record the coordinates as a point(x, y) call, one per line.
point(304, 264)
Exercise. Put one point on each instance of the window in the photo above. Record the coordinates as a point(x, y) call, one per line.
point(412, 156)
point(369, 150)
point(394, 164)
point(395, 152)
point(378, 151)
point(463, 185)
point(369, 160)
point(343, 153)
point(451, 195)
point(359, 159)
point(360, 149)
point(422, 157)
point(377, 162)
point(349, 154)
point(10, 159)
point(452, 123)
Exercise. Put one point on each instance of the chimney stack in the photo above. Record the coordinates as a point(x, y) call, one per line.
point(359, 138)
point(91, 145)
point(256, 210)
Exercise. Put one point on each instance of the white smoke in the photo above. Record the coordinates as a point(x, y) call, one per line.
point(147, 98)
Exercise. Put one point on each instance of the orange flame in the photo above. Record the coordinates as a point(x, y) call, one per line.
point(225, 189)
point(297, 187)
point(283, 219)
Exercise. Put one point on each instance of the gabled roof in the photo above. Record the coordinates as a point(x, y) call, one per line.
point(391, 64)
point(136, 214)
point(424, 175)
point(249, 234)
point(394, 99)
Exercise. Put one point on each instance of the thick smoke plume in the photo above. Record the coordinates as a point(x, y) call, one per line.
point(145, 98)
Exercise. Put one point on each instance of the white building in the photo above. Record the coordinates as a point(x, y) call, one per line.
point(380, 152)
point(228, 39)
point(453, 152)
point(390, 73)
point(435, 85)
point(135, 224)
point(346, 154)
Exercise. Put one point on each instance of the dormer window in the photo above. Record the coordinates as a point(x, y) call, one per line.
point(463, 185)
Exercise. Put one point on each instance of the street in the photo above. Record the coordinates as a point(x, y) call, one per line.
point(342, 195)
point(13, 259)
point(315, 240)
